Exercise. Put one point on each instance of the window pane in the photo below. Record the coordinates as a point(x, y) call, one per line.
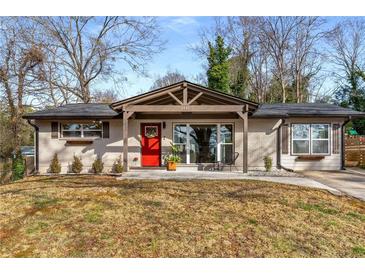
point(226, 133)
point(227, 153)
point(320, 146)
point(319, 131)
point(300, 146)
point(92, 133)
point(71, 126)
point(203, 143)
point(72, 134)
point(182, 152)
point(180, 134)
point(300, 131)
point(92, 126)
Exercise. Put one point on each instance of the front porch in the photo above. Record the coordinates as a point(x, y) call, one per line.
point(197, 118)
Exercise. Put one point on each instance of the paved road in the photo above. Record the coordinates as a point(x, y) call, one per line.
point(350, 182)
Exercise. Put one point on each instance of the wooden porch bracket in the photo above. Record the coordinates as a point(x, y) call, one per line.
point(126, 116)
point(175, 98)
point(195, 98)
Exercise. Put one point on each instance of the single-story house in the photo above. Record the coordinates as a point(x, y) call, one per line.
point(209, 128)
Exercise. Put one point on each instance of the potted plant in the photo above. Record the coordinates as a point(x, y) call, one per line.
point(172, 158)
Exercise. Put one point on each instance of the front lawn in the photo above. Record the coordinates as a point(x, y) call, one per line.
point(96, 216)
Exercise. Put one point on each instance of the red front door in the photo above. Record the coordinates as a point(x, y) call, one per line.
point(151, 144)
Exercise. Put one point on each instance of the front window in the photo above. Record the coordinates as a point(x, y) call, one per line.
point(310, 138)
point(82, 130)
point(180, 140)
point(226, 133)
point(204, 143)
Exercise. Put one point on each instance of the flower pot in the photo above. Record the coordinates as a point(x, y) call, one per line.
point(171, 166)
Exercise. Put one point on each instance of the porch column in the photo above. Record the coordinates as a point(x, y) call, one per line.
point(126, 115)
point(244, 117)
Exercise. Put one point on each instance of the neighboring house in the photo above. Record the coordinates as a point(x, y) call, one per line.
point(208, 126)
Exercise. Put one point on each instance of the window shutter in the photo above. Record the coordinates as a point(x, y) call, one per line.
point(336, 135)
point(284, 139)
point(54, 130)
point(105, 130)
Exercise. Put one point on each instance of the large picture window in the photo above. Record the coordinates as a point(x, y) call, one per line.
point(310, 139)
point(204, 143)
point(82, 130)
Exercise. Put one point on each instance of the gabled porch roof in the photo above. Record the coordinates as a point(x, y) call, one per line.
point(185, 97)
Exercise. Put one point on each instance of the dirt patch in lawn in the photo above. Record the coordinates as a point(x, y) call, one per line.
point(99, 216)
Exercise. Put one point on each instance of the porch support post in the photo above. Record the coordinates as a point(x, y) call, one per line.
point(126, 115)
point(244, 117)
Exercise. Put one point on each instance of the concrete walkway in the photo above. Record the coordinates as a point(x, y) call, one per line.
point(209, 175)
point(350, 181)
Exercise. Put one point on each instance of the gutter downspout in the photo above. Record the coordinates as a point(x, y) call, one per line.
point(278, 149)
point(343, 143)
point(36, 128)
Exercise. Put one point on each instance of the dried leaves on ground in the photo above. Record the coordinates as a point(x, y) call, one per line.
point(99, 216)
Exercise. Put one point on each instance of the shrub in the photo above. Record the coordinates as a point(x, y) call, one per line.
point(268, 163)
point(5, 172)
point(55, 166)
point(98, 166)
point(18, 167)
point(76, 166)
point(118, 166)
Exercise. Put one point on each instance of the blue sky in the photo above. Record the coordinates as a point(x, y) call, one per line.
point(180, 33)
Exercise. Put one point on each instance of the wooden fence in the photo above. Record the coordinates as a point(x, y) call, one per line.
point(355, 150)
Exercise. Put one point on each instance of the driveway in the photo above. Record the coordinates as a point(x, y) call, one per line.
point(350, 182)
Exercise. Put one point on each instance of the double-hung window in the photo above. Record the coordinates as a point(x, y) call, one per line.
point(310, 139)
point(180, 140)
point(226, 136)
point(82, 130)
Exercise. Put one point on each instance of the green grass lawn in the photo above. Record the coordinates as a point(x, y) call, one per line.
point(99, 216)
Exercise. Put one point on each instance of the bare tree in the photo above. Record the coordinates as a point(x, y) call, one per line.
point(306, 56)
point(107, 96)
point(171, 77)
point(275, 36)
point(347, 48)
point(20, 71)
point(87, 48)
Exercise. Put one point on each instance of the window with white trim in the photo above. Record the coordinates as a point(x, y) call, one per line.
point(310, 139)
point(88, 130)
point(180, 140)
point(226, 137)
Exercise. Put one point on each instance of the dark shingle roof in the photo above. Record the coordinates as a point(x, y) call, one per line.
point(100, 111)
point(304, 110)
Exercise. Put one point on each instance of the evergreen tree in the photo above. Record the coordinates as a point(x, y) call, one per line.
point(218, 71)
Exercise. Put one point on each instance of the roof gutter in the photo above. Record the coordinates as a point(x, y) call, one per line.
point(36, 128)
point(343, 142)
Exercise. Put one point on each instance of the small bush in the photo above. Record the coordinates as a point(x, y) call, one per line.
point(268, 163)
point(77, 165)
point(118, 166)
point(55, 166)
point(18, 167)
point(5, 172)
point(98, 166)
